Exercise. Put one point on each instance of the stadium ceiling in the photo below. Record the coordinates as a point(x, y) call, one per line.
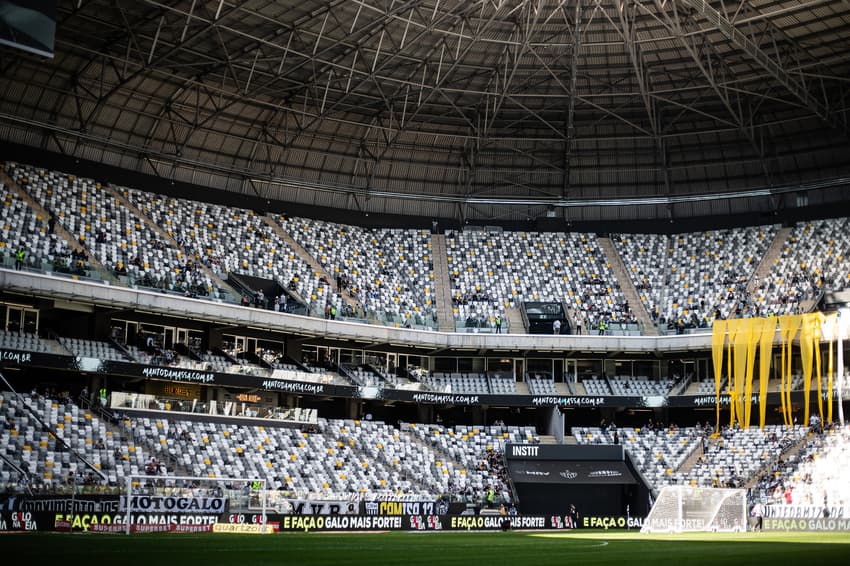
point(470, 109)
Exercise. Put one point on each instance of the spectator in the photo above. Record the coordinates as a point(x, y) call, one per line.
point(556, 326)
point(20, 255)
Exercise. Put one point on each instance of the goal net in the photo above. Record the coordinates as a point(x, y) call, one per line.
point(191, 504)
point(683, 508)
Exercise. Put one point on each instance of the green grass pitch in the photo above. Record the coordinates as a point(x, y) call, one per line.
point(429, 549)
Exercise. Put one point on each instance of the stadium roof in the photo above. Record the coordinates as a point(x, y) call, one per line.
point(485, 109)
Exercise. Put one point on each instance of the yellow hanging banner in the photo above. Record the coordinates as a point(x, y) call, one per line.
point(755, 326)
point(789, 325)
point(718, 337)
point(746, 339)
point(807, 356)
point(733, 327)
point(742, 342)
point(831, 329)
point(768, 331)
point(817, 329)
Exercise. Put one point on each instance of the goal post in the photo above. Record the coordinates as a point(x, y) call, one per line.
point(689, 509)
point(175, 494)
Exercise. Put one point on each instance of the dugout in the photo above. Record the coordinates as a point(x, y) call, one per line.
point(600, 480)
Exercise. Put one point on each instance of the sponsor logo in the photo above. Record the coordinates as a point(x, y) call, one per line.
point(834, 525)
point(242, 528)
point(145, 504)
point(568, 475)
point(305, 507)
point(293, 386)
point(584, 401)
point(338, 523)
point(61, 504)
point(612, 522)
point(179, 374)
point(711, 400)
point(426, 523)
point(805, 512)
point(401, 508)
point(18, 521)
point(604, 474)
point(17, 357)
point(527, 451)
point(446, 399)
point(536, 473)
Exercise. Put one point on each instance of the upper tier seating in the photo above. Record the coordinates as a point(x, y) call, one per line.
point(815, 257)
point(685, 279)
point(230, 240)
point(113, 234)
point(20, 226)
point(389, 270)
point(492, 271)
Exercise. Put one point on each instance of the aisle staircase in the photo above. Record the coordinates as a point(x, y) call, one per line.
point(442, 284)
point(515, 322)
point(769, 259)
point(318, 269)
point(615, 262)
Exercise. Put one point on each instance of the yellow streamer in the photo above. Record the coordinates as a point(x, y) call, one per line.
point(732, 327)
point(718, 337)
point(753, 336)
point(768, 331)
point(807, 354)
point(745, 339)
point(816, 336)
point(793, 323)
point(832, 324)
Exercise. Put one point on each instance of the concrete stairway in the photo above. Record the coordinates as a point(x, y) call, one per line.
point(442, 286)
point(514, 319)
point(61, 232)
point(769, 258)
point(317, 267)
point(786, 455)
point(168, 239)
point(616, 264)
point(691, 460)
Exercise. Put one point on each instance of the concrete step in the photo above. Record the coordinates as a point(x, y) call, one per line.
point(615, 262)
point(318, 269)
point(769, 258)
point(514, 319)
point(442, 284)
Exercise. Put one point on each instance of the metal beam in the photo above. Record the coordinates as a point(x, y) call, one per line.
point(746, 44)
